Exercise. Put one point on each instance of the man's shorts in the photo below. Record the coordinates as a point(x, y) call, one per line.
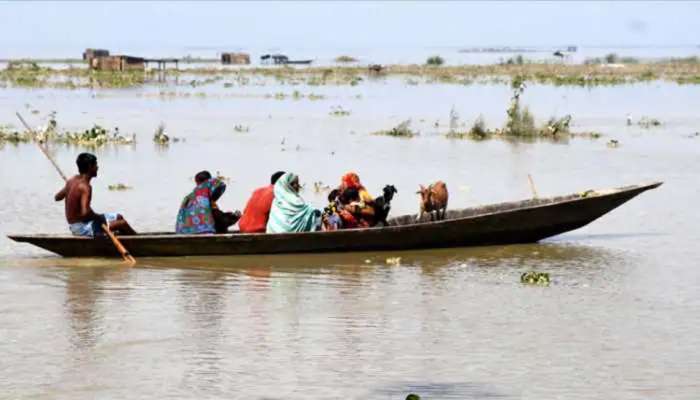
point(90, 228)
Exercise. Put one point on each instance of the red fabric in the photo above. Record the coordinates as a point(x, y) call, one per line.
point(257, 211)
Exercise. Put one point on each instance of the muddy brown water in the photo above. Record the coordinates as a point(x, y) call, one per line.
point(620, 319)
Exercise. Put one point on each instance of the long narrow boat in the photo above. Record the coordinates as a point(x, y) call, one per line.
point(505, 223)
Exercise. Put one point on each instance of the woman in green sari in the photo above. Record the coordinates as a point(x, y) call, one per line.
point(289, 212)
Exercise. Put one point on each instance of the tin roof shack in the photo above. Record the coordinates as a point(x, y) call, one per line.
point(89, 54)
point(118, 63)
point(235, 58)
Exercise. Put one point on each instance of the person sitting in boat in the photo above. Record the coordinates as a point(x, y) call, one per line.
point(77, 193)
point(351, 210)
point(289, 212)
point(198, 211)
point(363, 207)
point(257, 210)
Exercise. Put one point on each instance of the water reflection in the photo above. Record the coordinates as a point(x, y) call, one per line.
point(83, 305)
point(202, 297)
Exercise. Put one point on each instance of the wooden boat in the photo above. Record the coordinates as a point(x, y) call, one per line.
point(299, 62)
point(505, 223)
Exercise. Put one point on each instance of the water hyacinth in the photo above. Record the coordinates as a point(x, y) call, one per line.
point(535, 278)
point(93, 137)
point(118, 187)
point(401, 130)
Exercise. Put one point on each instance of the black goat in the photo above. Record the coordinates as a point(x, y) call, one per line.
point(382, 205)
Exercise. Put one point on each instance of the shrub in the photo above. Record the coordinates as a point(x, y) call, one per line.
point(435, 60)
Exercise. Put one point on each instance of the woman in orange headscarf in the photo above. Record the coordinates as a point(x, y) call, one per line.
point(352, 181)
point(363, 209)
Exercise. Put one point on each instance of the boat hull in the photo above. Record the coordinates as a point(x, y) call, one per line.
point(507, 223)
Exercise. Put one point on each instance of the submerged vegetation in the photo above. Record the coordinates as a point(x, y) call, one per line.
point(162, 138)
point(93, 137)
point(401, 130)
point(520, 123)
point(119, 187)
point(435, 60)
point(535, 278)
point(345, 59)
point(339, 111)
point(646, 122)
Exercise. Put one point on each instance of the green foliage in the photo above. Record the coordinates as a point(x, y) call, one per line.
point(401, 130)
point(535, 278)
point(345, 59)
point(160, 137)
point(517, 60)
point(119, 187)
point(478, 129)
point(339, 111)
point(646, 122)
point(435, 61)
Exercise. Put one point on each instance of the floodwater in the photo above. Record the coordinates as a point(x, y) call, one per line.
point(620, 320)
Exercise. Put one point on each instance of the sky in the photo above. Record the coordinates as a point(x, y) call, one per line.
point(47, 25)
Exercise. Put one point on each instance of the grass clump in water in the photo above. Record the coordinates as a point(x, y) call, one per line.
point(93, 137)
point(517, 60)
point(160, 137)
point(646, 122)
point(535, 278)
point(345, 59)
point(119, 187)
point(339, 111)
point(401, 130)
point(435, 61)
point(520, 121)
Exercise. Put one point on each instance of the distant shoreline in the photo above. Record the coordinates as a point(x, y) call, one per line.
point(75, 74)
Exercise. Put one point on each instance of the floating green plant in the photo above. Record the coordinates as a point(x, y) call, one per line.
point(401, 130)
point(535, 278)
point(435, 60)
point(339, 111)
point(160, 137)
point(345, 59)
point(119, 187)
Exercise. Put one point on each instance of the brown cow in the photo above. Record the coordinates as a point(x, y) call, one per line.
point(433, 198)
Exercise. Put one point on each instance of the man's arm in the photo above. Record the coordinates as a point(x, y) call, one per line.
point(61, 193)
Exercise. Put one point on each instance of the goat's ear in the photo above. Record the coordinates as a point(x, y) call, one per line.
point(421, 187)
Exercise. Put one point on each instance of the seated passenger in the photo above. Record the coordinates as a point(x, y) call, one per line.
point(350, 210)
point(257, 210)
point(365, 204)
point(198, 211)
point(289, 212)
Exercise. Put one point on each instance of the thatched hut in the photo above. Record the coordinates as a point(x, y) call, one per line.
point(89, 54)
point(235, 58)
point(118, 63)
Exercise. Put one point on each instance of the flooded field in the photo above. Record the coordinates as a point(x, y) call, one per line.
point(619, 320)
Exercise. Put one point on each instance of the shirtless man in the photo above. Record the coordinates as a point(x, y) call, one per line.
point(82, 220)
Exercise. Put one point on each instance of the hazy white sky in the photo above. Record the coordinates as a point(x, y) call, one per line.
point(347, 24)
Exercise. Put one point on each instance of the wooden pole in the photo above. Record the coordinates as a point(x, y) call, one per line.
point(532, 186)
point(105, 227)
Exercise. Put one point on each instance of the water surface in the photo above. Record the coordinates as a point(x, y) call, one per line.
point(620, 319)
